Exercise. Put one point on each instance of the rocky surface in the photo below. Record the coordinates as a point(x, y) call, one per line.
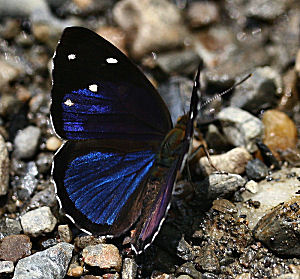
point(239, 221)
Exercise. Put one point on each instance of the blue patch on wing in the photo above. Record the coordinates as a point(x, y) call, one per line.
point(100, 183)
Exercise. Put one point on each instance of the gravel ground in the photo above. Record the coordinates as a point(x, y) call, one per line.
point(243, 222)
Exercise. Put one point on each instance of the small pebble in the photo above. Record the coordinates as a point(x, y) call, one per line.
point(105, 256)
point(251, 186)
point(189, 269)
point(233, 161)
point(38, 221)
point(202, 13)
point(48, 264)
point(160, 275)
point(280, 131)
point(9, 227)
point(111, 276)
point(4, 167)
point(279, 229)
point(28, 182)
point(208, 260)
point(256, 170)
point(114, 35)
point(219, 185)
point(75, 270)
point(180, 62)
point(150, 26)
point(45, 197)
point(266, 9)
point(7, 73)
point(44, 162)
point(240, 127)
point(88, 240)
point(258, 92)
point(184, 277)
point(224, 206)
point(64, 233)
point(6, 267)
point(129, 269)
point(53, 143)
point(26, 142)
point(15, 247)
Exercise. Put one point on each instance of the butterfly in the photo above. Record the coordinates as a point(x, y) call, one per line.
point(121, 156)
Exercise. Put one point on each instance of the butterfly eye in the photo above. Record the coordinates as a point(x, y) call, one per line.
point(111, 60)
point(93, 87)
point(71, 56)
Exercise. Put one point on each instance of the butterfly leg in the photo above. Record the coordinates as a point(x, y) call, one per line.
point(202, 146)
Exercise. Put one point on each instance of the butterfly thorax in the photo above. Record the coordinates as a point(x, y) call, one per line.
point(171, 145)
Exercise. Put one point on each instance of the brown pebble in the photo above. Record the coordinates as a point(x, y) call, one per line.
point(83, 4)
point(111, 276)
point(280, 131)
point(114, 35)
point(53, 143)
point(65, 234)
point(234, 161)
point(88, 240)
point(202, 13)
point(75, 270)
point(15, 247)
point(105, 256)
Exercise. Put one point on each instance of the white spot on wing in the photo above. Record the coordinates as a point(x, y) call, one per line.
point(71, 56)
point(93, 87)
point(69, 103)
point(111, 60)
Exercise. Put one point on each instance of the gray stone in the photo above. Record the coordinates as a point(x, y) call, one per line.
point(28, 182)
point(266, 9)
point(288, 276)
point(9, 226)
point(6, 267)
point(233, 161)
point(51, 263)
point(7, 71)
point(240, 127)
point(26, 142)
point(105, 256)
point(129, 270)
point(151, 20)
point(182, 62)
point(38, 221)
point(45, 197)
point(4, 167)
point(184, 277)
point(219, 185)
point(256, 170)
point(258, 92)
point(269, 193)
point(44, 162)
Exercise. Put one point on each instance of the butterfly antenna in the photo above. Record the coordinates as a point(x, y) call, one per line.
point(226, 91)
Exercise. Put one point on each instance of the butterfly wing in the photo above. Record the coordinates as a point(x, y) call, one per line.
point(101, 185)
point(99, 93)
point(155, 211)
